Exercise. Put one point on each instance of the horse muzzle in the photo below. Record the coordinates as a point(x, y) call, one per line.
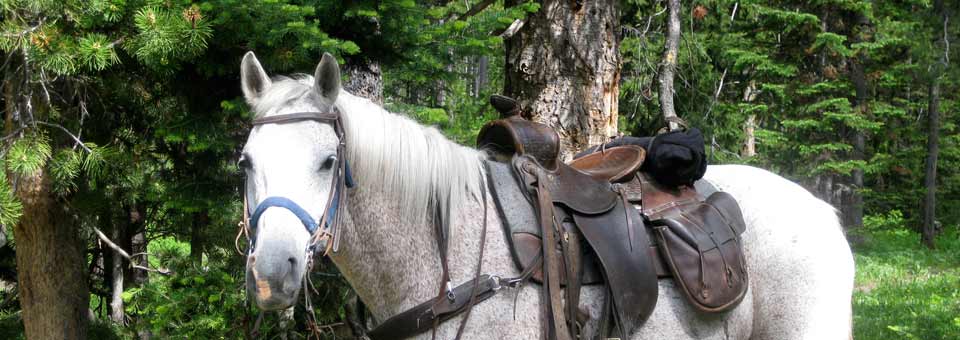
point(274, 285)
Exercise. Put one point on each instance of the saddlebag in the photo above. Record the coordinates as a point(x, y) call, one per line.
point(700, 242)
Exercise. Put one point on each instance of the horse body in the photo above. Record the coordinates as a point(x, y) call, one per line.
point(801, 269)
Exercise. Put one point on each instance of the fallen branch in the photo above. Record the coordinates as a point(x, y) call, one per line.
point(103, 238)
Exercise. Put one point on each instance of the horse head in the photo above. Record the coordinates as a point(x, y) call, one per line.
point(291, 162)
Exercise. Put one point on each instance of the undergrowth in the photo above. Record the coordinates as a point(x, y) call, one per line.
point(905, 291)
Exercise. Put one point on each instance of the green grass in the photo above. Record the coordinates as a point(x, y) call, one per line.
point(905, 291)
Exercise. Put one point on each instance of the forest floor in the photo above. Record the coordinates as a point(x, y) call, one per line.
point(905, 291)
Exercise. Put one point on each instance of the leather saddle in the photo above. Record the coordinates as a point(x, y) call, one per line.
point(587, 214)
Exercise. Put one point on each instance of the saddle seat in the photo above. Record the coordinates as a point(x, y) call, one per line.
point(612, 164)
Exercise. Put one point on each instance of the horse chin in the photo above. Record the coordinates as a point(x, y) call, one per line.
point(274, 300)
point(275, 304)
point(269, 296)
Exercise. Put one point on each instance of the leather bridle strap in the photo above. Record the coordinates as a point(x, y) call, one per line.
point(326, 227)
point(421, 318)
point(332, 116)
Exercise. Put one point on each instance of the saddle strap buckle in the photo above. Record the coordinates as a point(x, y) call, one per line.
point(450, 295)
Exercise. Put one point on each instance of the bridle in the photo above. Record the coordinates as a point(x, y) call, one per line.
point(450, 301)
point(326, 229)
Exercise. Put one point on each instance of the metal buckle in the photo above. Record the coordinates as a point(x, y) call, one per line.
point(496, 283)
point(450, 295)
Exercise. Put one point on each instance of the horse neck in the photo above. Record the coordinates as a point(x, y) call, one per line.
point(390, 265)
point(394, 265)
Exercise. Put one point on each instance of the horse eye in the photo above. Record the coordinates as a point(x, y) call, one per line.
point(243, 163)
point(328, 163)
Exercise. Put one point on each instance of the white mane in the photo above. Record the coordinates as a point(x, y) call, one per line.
point(416, 166)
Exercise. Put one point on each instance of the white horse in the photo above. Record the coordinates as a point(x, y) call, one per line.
point(800, 266)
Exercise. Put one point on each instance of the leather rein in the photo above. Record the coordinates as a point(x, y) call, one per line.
point(450, 301)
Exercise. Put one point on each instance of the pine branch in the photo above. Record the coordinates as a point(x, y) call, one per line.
point(25, 32)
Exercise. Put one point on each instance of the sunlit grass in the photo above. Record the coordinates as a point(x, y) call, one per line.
point(905, 291)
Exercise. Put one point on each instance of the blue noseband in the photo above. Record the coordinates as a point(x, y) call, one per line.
point(286, 203)
point(300, 212)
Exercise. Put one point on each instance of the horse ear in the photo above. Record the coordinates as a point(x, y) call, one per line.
point(253, 79)
point(327, 78)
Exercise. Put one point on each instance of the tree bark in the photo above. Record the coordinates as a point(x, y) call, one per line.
point(53, 284)
point(930, 169)
point(200, 221)
point(364, 79)
point(750, 126)
point(116, 280)
point(134, 238)
point(668, 65)
point(480, 79)
point(563, 66)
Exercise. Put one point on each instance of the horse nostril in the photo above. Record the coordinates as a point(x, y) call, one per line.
point(293, 262)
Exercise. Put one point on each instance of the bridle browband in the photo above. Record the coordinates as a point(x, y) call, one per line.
point(326, 228)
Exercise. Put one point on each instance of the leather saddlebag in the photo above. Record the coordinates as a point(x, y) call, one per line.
point(700, 242)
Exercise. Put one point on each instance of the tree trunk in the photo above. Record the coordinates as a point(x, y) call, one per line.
point(930, 170)
point(668, 65)
point(200, 221)
point(135, 239)
point(116, 278)
point(854, 208)
point(853, 212)
point(750, 126)
point(364, 79)
point(929, 234)
point(480, 79)
point(50, 261)
point(563, 66)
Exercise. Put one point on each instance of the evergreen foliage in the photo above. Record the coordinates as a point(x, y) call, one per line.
point(133, 110)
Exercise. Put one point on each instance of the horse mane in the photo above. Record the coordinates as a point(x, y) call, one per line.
point(414, 165)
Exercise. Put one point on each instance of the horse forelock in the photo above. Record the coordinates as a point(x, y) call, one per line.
point(284, 91)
